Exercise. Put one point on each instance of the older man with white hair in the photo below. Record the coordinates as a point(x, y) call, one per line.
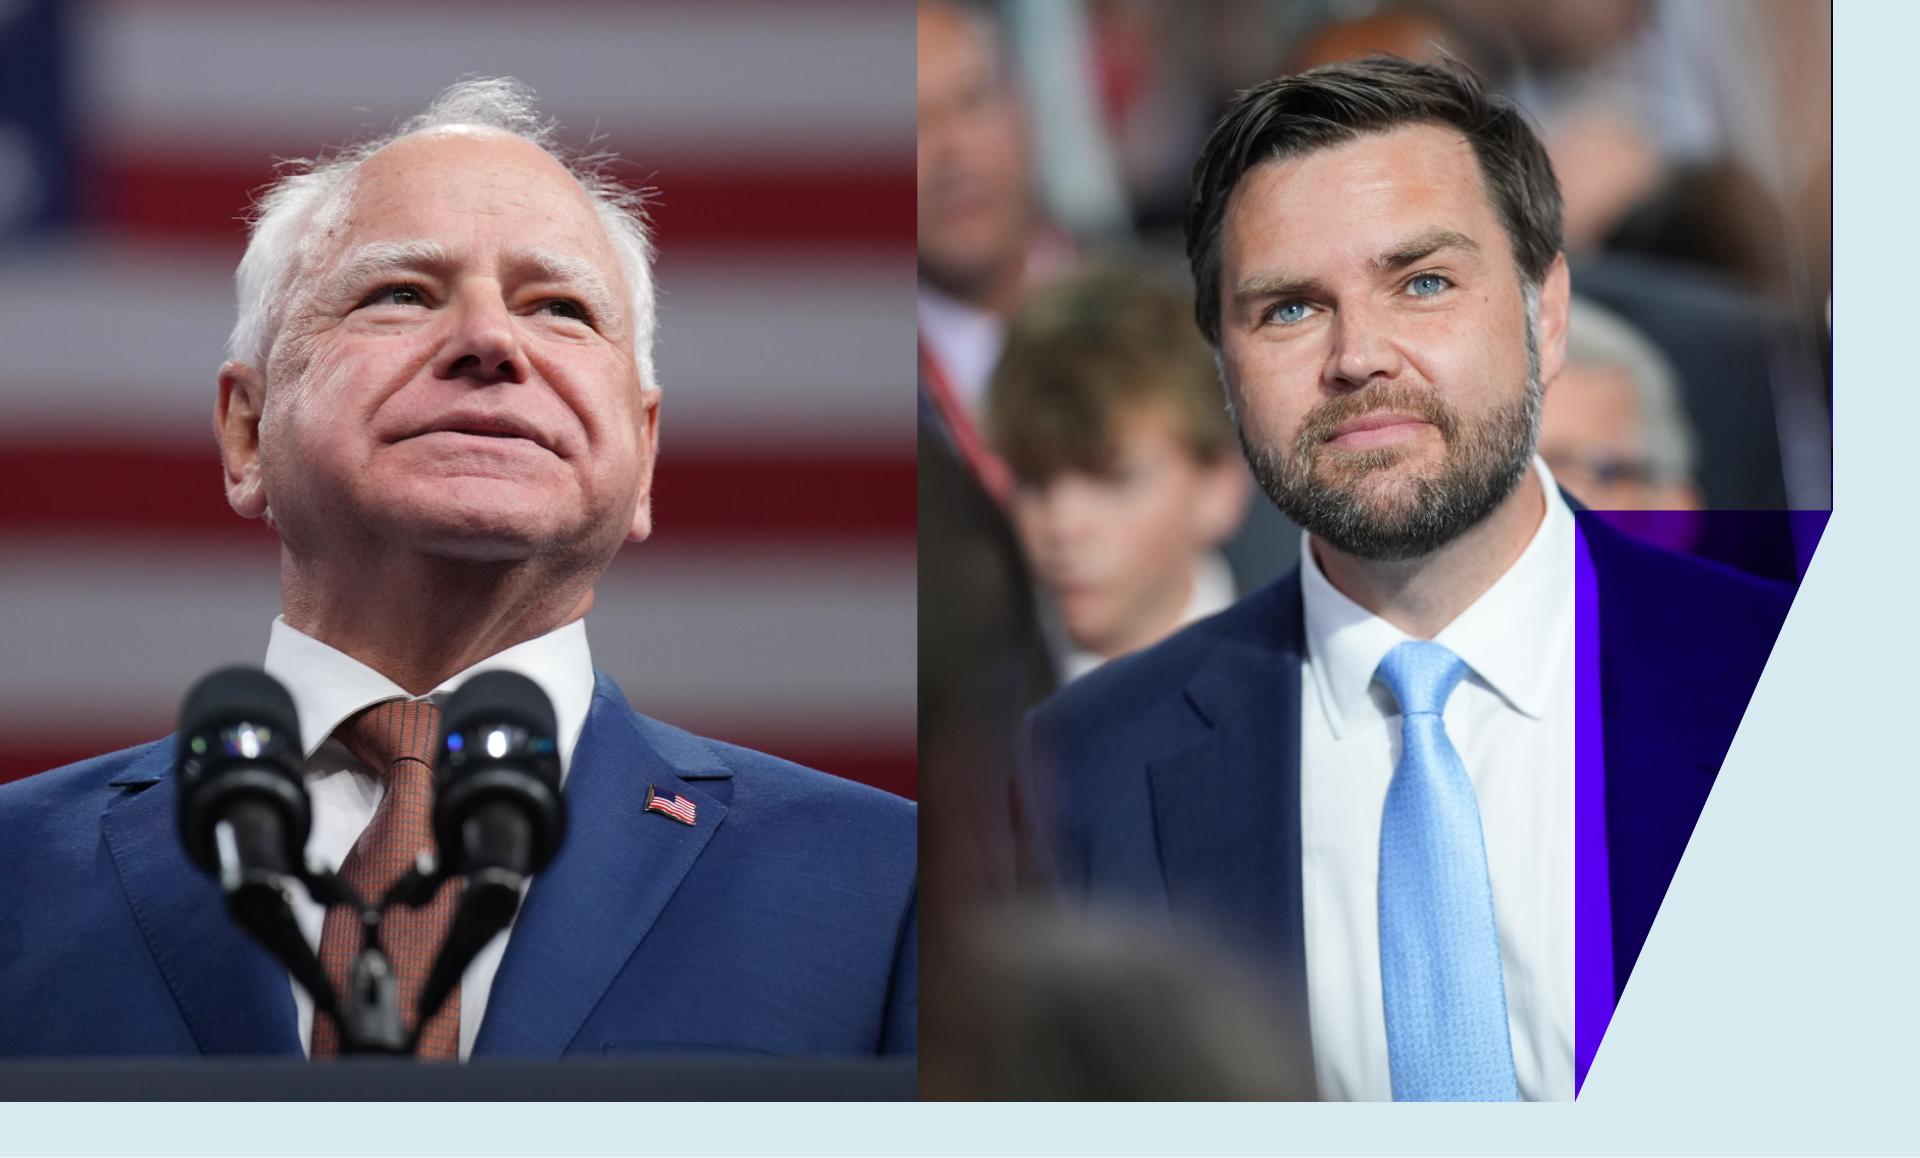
point(440, 394)
point(1613, 426)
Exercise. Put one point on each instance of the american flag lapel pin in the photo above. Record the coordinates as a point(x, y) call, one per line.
point(678, 807)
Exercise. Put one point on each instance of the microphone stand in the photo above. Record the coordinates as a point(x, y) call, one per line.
point(368, 1013)
point(260, 901)
point(370, 1021)
point(369, 1016)
point(487, 905)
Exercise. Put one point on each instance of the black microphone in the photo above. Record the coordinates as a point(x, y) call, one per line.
point(243, 796)
point(497, 798)
point(498, 816)
point(244, 814)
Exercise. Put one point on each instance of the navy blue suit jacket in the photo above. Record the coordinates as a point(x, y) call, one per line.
point(783, 922)
point(1170, 780)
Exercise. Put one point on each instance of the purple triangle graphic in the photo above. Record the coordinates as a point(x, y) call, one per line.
point(1778, 544)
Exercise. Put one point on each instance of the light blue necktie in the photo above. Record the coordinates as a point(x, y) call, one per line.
point(1439, 951)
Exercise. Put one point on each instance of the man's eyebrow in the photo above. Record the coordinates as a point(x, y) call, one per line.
point(1261, 286)
point(1422, 246)
point(1419, 247)
point(577, 273)
point(363, 262)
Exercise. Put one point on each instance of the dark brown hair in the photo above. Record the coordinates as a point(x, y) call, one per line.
point(1336, 103)
point(1087, 353)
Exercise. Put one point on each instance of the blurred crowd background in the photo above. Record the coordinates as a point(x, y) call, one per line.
point(1081, 495)
point(774, 605)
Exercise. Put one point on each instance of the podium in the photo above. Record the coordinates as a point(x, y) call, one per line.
point(278, 1079)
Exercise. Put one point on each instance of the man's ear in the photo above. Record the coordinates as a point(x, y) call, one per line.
point(1556, 297)
point(648, 422)
point(236, 423)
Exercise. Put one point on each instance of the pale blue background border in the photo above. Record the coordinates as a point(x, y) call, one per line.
point(1777, 1004)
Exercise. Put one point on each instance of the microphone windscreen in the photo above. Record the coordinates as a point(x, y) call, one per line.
point(500, 697)
point(235, 695)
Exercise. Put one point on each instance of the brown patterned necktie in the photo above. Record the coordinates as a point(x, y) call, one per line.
point(395, 740)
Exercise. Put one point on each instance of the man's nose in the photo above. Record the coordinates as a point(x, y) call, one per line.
point(1363, 348)
point(484, 346)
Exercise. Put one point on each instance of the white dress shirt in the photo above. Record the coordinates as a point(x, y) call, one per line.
point(1512, 720)
point(327, 687)
point(965, 341)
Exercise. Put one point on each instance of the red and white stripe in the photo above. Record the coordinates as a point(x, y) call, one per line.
point(678, 807)
point(775, 604)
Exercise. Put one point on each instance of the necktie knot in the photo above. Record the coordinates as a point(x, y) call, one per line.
point(1421, 675)
point(390, 732)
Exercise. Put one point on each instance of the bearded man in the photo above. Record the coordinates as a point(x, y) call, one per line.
point(1363, 774)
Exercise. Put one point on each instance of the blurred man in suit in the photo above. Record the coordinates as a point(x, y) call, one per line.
point(983, 240)
point(440, 393)
point(1362, 773)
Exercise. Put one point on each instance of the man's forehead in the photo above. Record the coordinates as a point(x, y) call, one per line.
point(1365, 192)
point(444, 180)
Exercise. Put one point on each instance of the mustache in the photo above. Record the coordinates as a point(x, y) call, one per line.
point(1330, 415)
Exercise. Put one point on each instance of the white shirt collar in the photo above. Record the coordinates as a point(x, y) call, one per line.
point(329, 685)
point(965, 341)
point(1510, 637)
point(1212, 591)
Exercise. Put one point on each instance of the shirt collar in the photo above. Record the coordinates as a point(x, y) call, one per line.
point(1511, 637)
point(329, 685)
point(965, 341)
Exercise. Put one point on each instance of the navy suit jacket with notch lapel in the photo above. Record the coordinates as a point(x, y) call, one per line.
point(1170, 780)
point(783, 922)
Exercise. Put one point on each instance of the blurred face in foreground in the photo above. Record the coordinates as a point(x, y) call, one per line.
point(1117, 550)
point(1377, 342)
point(455, 375)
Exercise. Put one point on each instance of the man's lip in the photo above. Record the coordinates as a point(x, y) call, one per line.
point(1378, 420)
point(486, 426)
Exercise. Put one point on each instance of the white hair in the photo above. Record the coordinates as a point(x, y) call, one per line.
point(1596, 336)
point(282, 233)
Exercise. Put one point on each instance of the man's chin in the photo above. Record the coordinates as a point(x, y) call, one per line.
point(1394, 515)
point(477, 547)
point(477, 534)
point(1383, 470)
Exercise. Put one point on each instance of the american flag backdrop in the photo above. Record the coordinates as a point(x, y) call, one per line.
point(774, 605)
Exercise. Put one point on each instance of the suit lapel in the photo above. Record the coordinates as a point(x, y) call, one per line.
point(234, 996)
point(1227, 807)
point(616, 870)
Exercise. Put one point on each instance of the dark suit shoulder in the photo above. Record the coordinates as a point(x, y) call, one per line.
point(759, 787)
point(91, 774)
point(1142, 699)
point(798, 912)
point(47, 806)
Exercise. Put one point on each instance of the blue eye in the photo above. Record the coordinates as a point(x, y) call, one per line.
point(1427, 284)
point(1289, 313)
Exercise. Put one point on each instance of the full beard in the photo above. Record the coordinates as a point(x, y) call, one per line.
point(1355, 502)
